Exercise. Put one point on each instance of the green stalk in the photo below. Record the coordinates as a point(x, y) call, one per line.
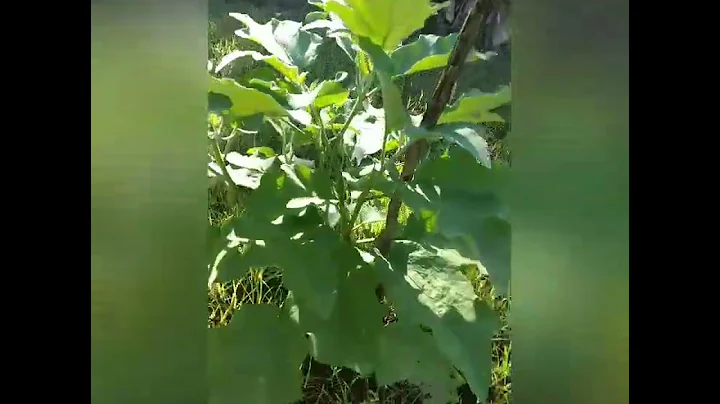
point(342, 202)
point(386, 162)
point(220, 160)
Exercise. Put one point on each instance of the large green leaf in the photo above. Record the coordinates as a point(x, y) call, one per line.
point(426, 53)
point(476, 107)
point(246, 101)
point(457, 200)
point(409, 353)
point(311, 266)
point(256, 358)
point(468, 136)
point(283, 39)
point(386, 23)
point(287, 230)
point(350, 335)
point(428, 287)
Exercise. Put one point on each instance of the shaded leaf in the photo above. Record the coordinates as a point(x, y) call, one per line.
point(218, 103)
point(350, 336)
point(462, 325)
point(408, 353)
point(465, 135)
point(276, 219)
point(256, 358)
point(456, 198)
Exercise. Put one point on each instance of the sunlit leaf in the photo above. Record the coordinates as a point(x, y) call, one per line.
point(385, 23)
point(283, 39)
point(426, 53)
point(245, 101)
point(476, 107)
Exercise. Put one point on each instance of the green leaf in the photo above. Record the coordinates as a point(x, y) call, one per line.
point(326, 93)
point(350, 335)
point(476, 107)
point(426, 53)
point(291, 72)
point(287, 231)
point(467, 136)
point(218, 103)
point(283, 39)
point(385, 23)
point(271, 88)
point(256, 358)
point(246, 101)
point(311, 268)
point(396, 117)
point(314, 16)
point(408, 353)
point(219, 244)
point(428, 287)
point(264, 150)
point(457, 199)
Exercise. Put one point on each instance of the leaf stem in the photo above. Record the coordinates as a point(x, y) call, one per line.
point(220, 160)
point(371, 181)
point(339, 139)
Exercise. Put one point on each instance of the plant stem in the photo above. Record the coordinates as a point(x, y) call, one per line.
point(366, 191)
point(364, 194)
point(358, 205)
point(339, 139)
point(468, 35)
point(355, 109)
point(220, 160)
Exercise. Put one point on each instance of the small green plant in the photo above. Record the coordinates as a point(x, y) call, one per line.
point(299, 203)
